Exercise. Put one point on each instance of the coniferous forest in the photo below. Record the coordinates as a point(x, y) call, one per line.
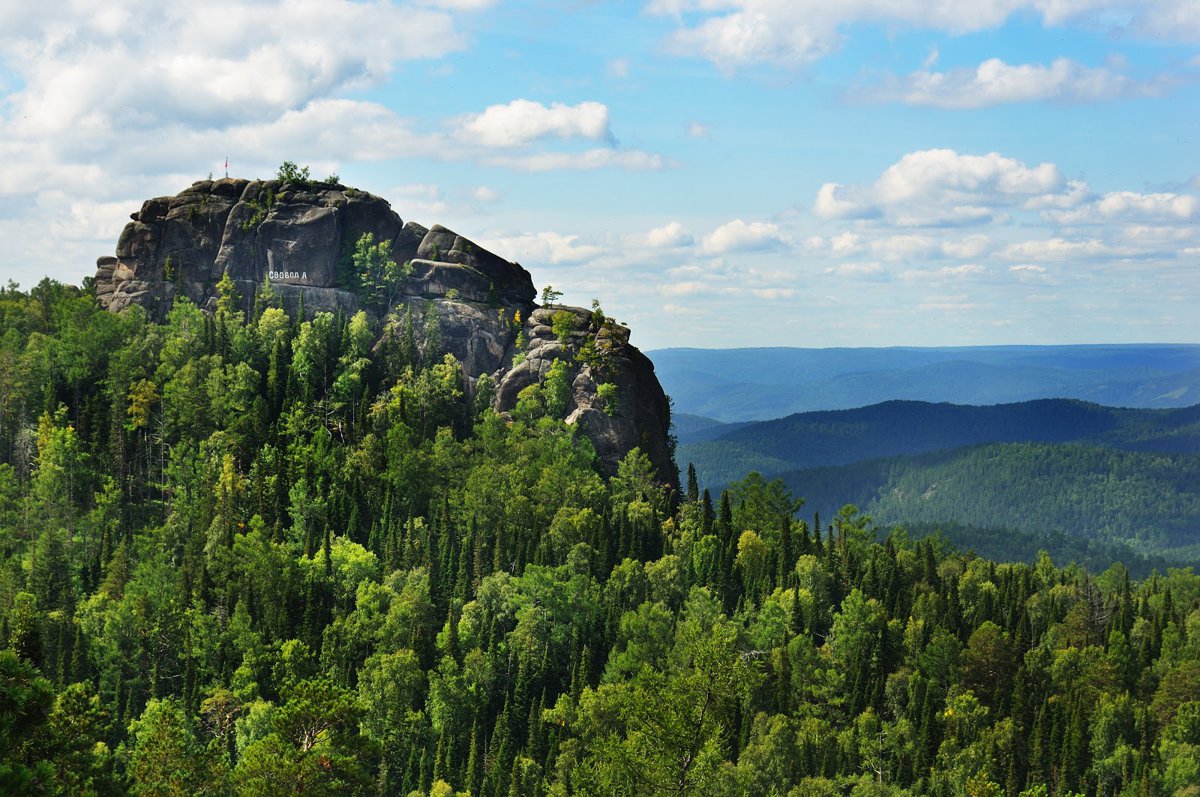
point(257, 555)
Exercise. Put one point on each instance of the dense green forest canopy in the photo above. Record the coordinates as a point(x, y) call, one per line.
point(1136, 503)
point(270, 555)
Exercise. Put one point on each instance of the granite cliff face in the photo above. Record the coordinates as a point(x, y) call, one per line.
point(299, 237)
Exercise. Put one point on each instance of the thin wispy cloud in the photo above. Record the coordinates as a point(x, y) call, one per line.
point(995, 82)
point(735, 34)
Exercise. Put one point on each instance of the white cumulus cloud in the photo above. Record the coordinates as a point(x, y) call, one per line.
point(971, 246)
point(1052, 249)
point(837, 201)
point(669, 236)
point(521, 122)
point(944, 172)
point(543, 247)
point(735, 33)
point(846, 244)
point(742, 236)
point(94, 67)
point(942, 187)
point(964, 270)
point(1128, 206)
point(628, 159)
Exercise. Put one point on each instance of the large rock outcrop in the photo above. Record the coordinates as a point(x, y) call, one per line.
point(300, 237)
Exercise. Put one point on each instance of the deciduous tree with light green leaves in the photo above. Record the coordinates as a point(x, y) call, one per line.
point(380, 277)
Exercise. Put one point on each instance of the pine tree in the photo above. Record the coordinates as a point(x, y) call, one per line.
point(441, 759)
point(929, 570)
point(783, 687)
point(724, 526)
point(498, 550)
point(474, 774)
point(785, 559)
point(1074, 749)
point(464, 589)
point(803, 544)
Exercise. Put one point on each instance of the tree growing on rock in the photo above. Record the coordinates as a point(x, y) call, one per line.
point(379, 276)
point(289, 172)
point(563, 323)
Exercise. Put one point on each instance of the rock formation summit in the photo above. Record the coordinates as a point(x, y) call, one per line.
point(299, 237)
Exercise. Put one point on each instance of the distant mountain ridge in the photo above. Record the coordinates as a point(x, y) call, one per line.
point(731, 385)
point(894, 428)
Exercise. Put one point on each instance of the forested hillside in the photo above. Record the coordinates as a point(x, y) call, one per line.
point(1147, 502)
point(266, 555)
point(820, 439)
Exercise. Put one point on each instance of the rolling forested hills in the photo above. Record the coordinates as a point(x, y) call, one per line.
point(819, 439)
point(1096, 483)
point(731, 385)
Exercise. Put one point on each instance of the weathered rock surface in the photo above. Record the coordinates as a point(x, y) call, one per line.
point(638, 415)
point(297, 236)
point(459, 297)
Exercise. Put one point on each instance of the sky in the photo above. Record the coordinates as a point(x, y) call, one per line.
point(718, 173)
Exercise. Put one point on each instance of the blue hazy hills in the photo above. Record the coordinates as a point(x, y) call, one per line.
point(1090, 451)
point(732, 385)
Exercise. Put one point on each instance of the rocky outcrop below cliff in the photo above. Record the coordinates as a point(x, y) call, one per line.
point(298, 239)
point(634, 411)
point(615, 397)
